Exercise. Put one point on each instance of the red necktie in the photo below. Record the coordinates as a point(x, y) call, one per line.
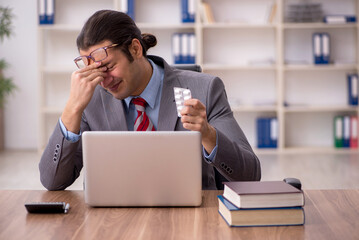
point(142, 123)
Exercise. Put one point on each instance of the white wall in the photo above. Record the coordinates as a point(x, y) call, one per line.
point(21, 109)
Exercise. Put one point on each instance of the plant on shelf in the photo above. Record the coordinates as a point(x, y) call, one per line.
point(6, 84)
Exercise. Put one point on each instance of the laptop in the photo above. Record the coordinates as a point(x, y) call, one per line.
point(141, 169)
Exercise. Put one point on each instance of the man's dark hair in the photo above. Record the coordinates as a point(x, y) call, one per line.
point(116, 27)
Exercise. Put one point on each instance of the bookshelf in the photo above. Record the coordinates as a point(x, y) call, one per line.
point(267, 67)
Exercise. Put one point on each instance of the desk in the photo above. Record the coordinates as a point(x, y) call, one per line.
point(330, 214)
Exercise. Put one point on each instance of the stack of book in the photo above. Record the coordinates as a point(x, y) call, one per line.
point(266, 203)
point(304, 12)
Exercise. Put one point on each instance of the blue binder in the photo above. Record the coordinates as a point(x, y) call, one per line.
point(321, 48)
point(188, 12)
point(176, 48)
point(192, 49)
point(50, 11)
point(128, 7)
point(352, 89)
point(267, 132)
point(346, 131)
point(273, 132)
point(131, 9)
point(325, 48)
point(42, 11)
point(260, 133)
point(332, 19)
point(317, 48)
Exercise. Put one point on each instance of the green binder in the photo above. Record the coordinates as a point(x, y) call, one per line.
point(338, 131)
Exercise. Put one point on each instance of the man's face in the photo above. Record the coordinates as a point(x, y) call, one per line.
point(122, 78)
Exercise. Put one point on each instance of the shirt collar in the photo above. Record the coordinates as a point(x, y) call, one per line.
point(152, 88)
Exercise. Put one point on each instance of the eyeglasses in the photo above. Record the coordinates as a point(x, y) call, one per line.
point(96, 56)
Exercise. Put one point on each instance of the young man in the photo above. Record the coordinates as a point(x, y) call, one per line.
point(114, 72)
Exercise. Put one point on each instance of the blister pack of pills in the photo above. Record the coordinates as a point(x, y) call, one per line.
point(181, 95)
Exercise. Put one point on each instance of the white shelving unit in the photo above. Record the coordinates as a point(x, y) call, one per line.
point(267, 67)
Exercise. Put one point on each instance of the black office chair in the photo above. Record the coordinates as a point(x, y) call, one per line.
point(191, 67)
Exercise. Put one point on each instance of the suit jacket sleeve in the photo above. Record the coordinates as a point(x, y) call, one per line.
point(235, 159)
point(61, 162)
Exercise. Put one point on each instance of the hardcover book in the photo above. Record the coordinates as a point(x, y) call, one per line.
point(238, 217)
point(263, 194)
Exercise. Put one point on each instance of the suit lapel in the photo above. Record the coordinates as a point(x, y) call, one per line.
point(114, 111)
point(167, 118)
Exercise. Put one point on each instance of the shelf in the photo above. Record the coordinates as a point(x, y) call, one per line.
point(317, 25)
point(318, 67)
point(231, 25)
point(320, 150)
point(214, 67)
point(165, 26)
point(309, 109)
point(254, 108)
point(261, 64)
point(61, 27)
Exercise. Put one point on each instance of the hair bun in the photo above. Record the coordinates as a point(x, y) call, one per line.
point(149, 40)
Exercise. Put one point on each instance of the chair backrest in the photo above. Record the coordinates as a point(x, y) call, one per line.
point(191, 67)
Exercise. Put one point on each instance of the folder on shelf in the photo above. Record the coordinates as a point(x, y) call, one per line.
point(352, 89)
point(273, 132)
point(184, 48)
point(317, 48)
point(346, 131)
point(260, 133)
point(321, 48)
point(325, 48)
point(42, 11)
point(128, 7)
point(50, 11)
point(192, 49)
point(267, 132)
point(354, 132)
point(176, 48)
point(338, 131)
point(339, 19)
point(188, 11)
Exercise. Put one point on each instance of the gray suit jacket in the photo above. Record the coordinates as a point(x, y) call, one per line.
point(61, 161)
